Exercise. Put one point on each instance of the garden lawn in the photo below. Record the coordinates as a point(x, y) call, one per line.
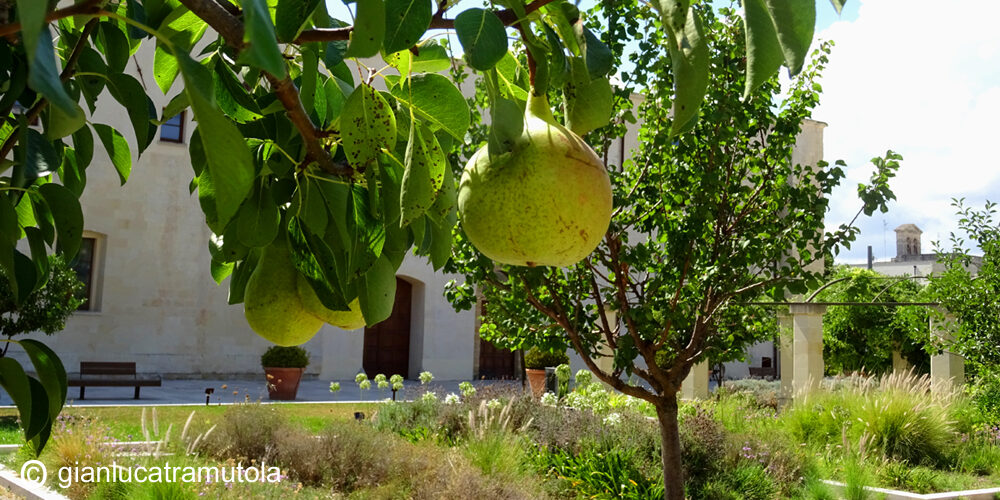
point(125, 422)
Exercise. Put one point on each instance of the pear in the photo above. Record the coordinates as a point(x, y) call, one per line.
point(345, 320)
point(271, 302)
point(545, 202)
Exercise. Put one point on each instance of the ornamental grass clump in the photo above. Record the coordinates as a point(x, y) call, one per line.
point(901, 416)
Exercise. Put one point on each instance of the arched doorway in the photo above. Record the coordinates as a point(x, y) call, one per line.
point(387, 344)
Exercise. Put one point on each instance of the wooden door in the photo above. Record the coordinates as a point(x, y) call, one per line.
point(495, 363)
point(387, 344)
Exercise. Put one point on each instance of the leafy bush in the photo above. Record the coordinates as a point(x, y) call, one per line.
point(985, 393)
point(285, 357)
point(537, 359)
point(703, 447)
point(245, 432)
point(594, 474)
point(765, 393)
point(748, 481)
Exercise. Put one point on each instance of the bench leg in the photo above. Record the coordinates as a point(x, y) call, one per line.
point(81, 391)
point(136, 392)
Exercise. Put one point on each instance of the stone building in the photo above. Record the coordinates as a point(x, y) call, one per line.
point(145, 261)
point(910, 260)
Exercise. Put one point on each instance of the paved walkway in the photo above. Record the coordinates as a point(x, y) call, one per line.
point(192, 391)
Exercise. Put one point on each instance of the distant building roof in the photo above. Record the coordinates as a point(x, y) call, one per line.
point(908, 227)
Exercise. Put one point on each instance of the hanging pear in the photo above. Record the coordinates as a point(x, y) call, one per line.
point(546, 201)
point(271, 302)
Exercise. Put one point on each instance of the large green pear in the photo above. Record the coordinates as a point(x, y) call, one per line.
point(271, 302)
point(544, 202)
point(346, 320)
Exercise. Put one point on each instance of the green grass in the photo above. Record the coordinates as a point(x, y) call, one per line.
point(125, 422)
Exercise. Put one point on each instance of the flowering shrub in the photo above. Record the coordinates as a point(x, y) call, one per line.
point(426, 377)
point(429, 397)
point(549, 399)
point(334, 386)
point(467, 389)
point(451, 399)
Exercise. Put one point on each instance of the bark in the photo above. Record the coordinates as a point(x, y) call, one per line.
point(670, 444)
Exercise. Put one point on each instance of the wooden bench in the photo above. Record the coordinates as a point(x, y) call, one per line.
point(111, 374)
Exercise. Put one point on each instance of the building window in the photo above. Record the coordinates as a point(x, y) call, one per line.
point(172, 130)
point(85, 266)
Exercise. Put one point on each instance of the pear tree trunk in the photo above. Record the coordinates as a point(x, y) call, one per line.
point(670, 455)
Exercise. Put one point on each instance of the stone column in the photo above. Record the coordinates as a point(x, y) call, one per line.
point(695, 386)
point(947, 367)
point(807, 346)
point(786, 353)
point(899, 363)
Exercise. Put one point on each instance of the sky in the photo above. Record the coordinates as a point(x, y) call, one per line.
point(914, 77)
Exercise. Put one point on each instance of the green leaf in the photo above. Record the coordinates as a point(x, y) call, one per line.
point(558, 68)
point(377, 292)
point(15, 382)
point(68, 218)
point(764, 55)
point(506, 125)
point(60, 124)
point(258, 219)
point(83, 144)
point(165, 68)
point(136, 12)
point(10, 232)
point(183, 28)
point(446, 198)
point(435, 98)
point(369, 29)
point(40, 423)
point(117, 148)
point(313, 209)
point(690, 64)
point(417, 193)
point(597, 53)
point(673, 13)
point(39, 255)
point(367, 125)
point(241, 274)
point(290, 16)
point(71, 175)
point(510, 75)
point(315, 261)
point(26, 275)
point(483, 37)
point(115, 45)
point(405, 22)
point(50, 372)
point(794, 22)
point(220, 270)
point(588, 102)
point(43, 75)
point(228, 160)
point(440, 233)
point(131, 94)
point(263, 51)
point(40, 158)
point(838, 4)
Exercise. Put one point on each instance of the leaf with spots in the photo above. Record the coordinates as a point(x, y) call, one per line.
point(690, 64)
point(405, 22)
point(435, 99)
point(483, 36)
point(417, 192)
point(367, 125)
point(369, 29)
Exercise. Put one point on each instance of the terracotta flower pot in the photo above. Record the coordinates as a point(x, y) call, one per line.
point(536, 379)
point(282, 383)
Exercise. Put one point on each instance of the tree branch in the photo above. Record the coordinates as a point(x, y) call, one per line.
point(82, 8)
point(438, 22)
point(231, 29)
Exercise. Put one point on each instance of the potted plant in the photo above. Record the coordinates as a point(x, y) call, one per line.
point(283, 367)
point(535, 363)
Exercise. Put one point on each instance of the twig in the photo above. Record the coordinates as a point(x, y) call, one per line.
point(83, 8)
point(438, 22)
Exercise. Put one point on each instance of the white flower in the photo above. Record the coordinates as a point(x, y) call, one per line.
point(382, 384)
point(451, 399)
point(426, 377)
point(584, 378)
point(613, 419)
point(429, 397)
point(549, 399)
point(493, 404)
point(365, 385)
point(334, 386)
point(361, 377)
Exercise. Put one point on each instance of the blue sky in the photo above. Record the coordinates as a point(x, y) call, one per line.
point(915, 77)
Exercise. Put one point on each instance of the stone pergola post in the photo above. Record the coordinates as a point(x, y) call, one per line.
point(695, 386)
point(807, 347)
point(787, 354)
point(946, 368)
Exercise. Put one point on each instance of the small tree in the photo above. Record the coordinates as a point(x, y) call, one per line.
point(704, 223)
point(45, 309)
point(864, 337)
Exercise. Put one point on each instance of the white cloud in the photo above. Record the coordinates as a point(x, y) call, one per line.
point(920, 77)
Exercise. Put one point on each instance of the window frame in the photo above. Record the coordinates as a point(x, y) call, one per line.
point(180, 130)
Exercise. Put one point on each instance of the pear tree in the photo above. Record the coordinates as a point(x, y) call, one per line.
point(706, 225)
